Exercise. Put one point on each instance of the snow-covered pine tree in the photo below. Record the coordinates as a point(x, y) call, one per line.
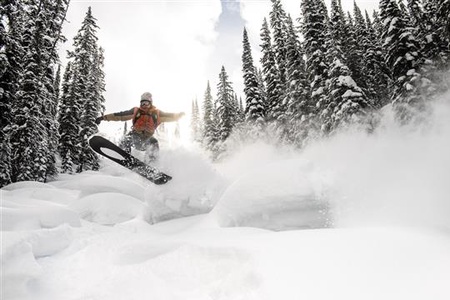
point(215, 144)
point(347, 100)
point(297, 90)
point(93, 107)
point(353, 50)
point(240, 110)
point(443, 29)
point(53, 17)
point(262, 88)
point(33, 133)
point(377, 26)
point(415, 12)
point(196, 126)
point(314, 30)
point(11, 54)
point(434, 42)
point(254, 108)
point(226, 106)
point(358, 31)
point(274, 88)
point(57, 83)
point(278, 24)
point(69, 116)
point(403, 57)
point(443, 13)
point(375, 71)
point(86, 90)
point(99, 79)
point(209, 137)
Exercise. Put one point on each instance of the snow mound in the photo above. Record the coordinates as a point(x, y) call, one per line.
point(27, 184)
point(96, 182)
point(19, 267)
point(110, 208)
point(277, 196)
point(19, 254)
point(47, 193)
point(28, 214)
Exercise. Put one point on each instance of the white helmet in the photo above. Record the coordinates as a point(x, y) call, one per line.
point(146, 96)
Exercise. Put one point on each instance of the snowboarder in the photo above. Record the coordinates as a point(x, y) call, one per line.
point(146, 119)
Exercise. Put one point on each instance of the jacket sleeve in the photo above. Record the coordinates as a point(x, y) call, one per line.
point(169, 117)
point(120, 116)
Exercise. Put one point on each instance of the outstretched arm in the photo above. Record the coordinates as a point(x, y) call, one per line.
point(118, 116)
point(170, 117)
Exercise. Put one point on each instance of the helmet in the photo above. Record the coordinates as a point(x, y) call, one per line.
point(146, 96)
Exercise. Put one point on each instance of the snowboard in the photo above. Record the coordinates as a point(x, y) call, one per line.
point(110, 150)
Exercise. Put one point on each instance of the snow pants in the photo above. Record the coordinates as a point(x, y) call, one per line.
point(142, 143)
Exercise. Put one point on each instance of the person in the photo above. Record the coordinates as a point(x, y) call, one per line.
point(145, 118)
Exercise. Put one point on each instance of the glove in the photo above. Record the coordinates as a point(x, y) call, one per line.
point(181, 114)
point(98, 120)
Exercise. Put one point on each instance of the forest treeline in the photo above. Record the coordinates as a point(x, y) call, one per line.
point(46, 117)
point(317, 73)
point(328, 69)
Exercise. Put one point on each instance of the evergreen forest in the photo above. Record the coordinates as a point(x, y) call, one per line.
point(330, 69)
point(317, 74)
point(46, 115)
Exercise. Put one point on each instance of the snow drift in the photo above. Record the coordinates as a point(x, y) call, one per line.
point(357, 216)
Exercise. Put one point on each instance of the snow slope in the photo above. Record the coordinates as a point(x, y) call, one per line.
point(357, 216)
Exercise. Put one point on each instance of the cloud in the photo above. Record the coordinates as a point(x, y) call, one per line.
point(156, 46)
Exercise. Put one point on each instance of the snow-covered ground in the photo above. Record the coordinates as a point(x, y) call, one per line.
point(357, 216)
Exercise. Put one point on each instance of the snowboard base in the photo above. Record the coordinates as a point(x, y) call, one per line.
point(113, 152)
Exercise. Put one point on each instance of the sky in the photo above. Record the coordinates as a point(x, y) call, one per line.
point(172, 48)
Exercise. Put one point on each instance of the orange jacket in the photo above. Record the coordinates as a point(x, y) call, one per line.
point(145, 121)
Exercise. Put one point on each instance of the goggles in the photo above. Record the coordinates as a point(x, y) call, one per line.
point(145, 102)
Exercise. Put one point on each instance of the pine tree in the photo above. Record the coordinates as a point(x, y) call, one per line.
point(69, 119)
point(11, 54)
point(403, 58)
point(83, 96)
point(278, 24)
point(262, 89)
point(272, 79)
point(33, 132)
point(435, 44)
point(89, 60)
point(209, 129)
point(345, 37)
point(240, 110)
point(443, 13)
point(215, 144)
point(347, 99)
point(99, 79)
point(57, 84)
point(297, 90)
point(314, 30)
point(69, 122)
point(377, 74)
point(254, 109)
point(195, 122)
point(359, 44)
point(226, 106)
